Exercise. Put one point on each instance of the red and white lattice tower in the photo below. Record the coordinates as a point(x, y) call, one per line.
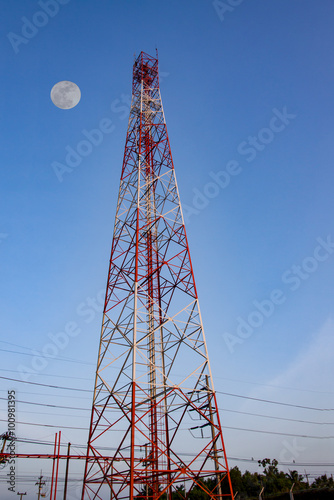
point(155, 428)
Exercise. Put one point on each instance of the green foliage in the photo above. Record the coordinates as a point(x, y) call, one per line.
point(198, 493)
point(297, 479)
point(249, 484)
point(323, 482)
point(269, 466)
point(274, 481)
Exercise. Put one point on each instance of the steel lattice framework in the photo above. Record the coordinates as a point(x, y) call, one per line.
point(154, 407)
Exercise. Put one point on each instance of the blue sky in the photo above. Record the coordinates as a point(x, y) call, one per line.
point(253, 86)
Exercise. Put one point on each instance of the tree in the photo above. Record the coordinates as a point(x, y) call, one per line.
point(269, 466)
point(251, 484)
point(236, 479)
point(179, 493)
point(323, 482)
point(247, 484)
point(274, 481)
point(198, 491)
point(295, 478)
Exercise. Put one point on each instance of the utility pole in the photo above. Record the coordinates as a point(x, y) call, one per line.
point(21, 494)
point(40, 485)
point(66, 472)
point(307, 475)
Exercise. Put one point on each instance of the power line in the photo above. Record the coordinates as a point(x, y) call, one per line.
point(50, 357)
point(224, 426)
point(219, 378)
point(49, 425)
point(49, 405)
point(53, 414)
point(278, 433)
point(276, 418)
point(49, 375)
point(46, 385)
point(220, 409)
point(274, 402)
point(218, 392)
point(42, 394)
point(240, 459)
point(273, 386)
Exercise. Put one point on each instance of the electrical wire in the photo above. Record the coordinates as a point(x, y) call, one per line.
point(70, 360)
point(48, 425)
point(47, 385)
point(49, 405)
point(66, 407)
point(216, 378)
point(221, 378)
point(278, 433)
point(224, 427)
point(274, 402)
point(239, 459)
point(276, 418)
point(218, 392)
point(272, 385)
point(49, 375)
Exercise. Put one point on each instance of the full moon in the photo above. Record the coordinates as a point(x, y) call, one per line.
point(65, 95)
